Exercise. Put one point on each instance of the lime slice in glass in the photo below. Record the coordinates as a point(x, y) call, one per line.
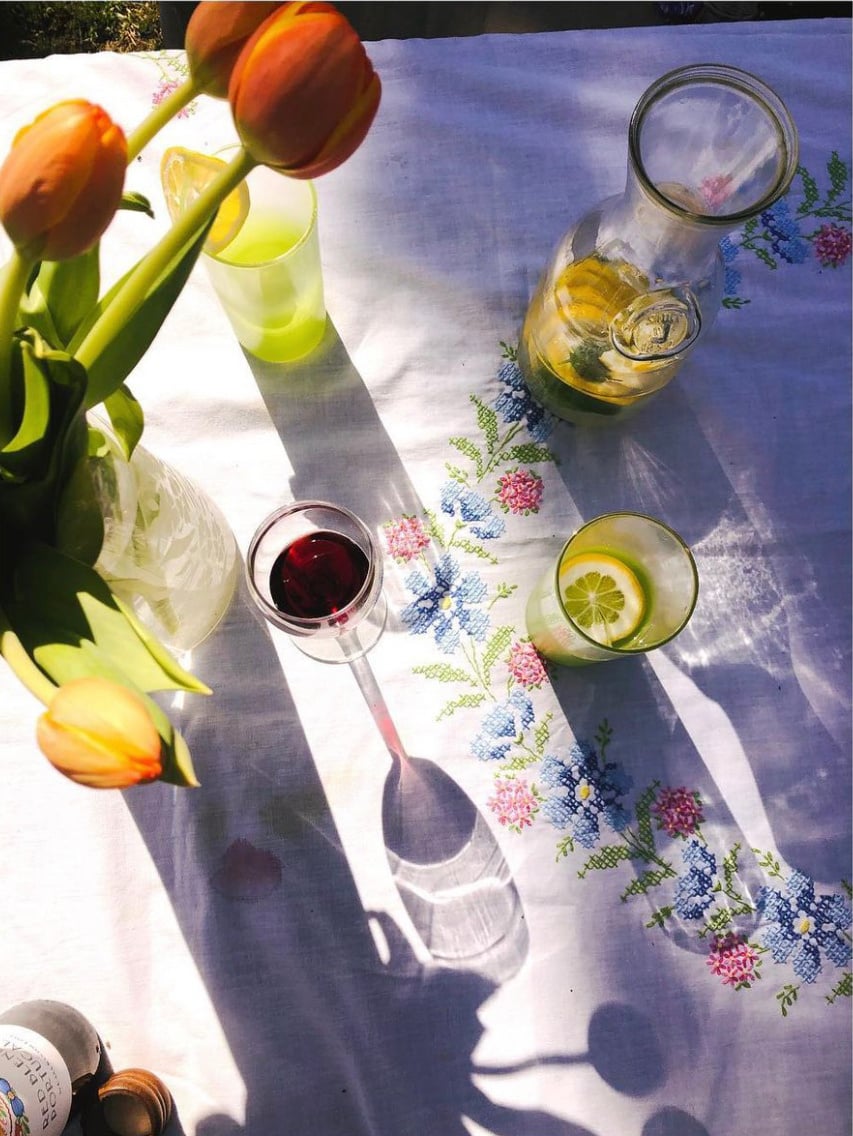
point(603, 596)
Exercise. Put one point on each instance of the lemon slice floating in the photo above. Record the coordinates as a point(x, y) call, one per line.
point(184, 175)
point(603, 596)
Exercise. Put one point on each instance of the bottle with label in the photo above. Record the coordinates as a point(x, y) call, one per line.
point(48, 1052)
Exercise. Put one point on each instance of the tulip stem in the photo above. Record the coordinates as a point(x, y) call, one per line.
point(171, 105)
point(146, 273)
point(13, 281)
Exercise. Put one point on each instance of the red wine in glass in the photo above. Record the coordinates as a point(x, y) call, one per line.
point(317, 575)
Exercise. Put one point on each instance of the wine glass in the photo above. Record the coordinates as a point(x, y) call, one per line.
point(315, 572)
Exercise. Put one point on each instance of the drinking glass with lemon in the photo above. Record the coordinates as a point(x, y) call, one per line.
point(624, 584)
point(262, 253)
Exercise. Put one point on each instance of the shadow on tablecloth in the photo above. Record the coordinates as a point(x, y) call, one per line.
point(745, 661)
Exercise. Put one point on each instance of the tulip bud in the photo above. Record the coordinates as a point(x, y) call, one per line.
point(215, 37)
point(100, 734)
point(303, 92)
point(62, 181)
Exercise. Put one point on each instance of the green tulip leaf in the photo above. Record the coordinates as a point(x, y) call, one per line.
point(49, 439)
point(136, 203)
point(126, 346)
point(127, 418)
point(66, 616)
point(62, 295)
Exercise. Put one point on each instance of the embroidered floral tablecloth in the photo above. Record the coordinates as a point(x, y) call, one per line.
point(616, 899)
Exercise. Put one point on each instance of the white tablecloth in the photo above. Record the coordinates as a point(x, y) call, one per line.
point(247, 940)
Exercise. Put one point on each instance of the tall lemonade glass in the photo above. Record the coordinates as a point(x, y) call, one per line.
point(624, 584)
point(269, 278)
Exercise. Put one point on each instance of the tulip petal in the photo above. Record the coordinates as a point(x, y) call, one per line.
point(100, 734)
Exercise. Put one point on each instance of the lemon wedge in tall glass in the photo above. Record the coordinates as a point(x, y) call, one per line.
point(184, 175)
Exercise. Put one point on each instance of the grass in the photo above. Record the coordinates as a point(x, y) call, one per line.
point(33, 30)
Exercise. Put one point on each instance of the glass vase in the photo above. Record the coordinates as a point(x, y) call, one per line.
point(167, 550)
point(636, 283)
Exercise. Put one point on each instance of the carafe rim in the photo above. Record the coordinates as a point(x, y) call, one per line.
point(726, 76)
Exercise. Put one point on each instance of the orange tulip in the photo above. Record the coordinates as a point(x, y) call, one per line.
point(100, 734)
point(303, 92)
point(62, 181)
point(215, 37)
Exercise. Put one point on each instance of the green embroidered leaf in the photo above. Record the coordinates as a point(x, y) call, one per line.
point(529, 453)
point(608, 856)
point(436, 532)
point(508, 351)
point(603, 735)
point(542, 734)
point(504, 591)
point(717, 921)
point(495, 648)
point(565, 846)
point(786, 998)
point(519, 762)
point(848, 888)
point(642, 810)
point(444, 672)
point(838, 175)
point(843, 988)
point(810, 191)
point(464, 702)
point(487, 420)
point(659, 917)
point(734, 302)
point(474, 549)
point(467, 447)
point(730, 866)
point(456, 474)
point(642, 884)
point(764, 255)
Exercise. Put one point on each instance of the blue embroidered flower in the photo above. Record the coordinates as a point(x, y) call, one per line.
point(473, 509)
point(786, 239)
point(587, 793)
point(729, 252)
point(515, 403)
point(694, 891)
point(502, 726)
point(445, 604)
point(801, 925)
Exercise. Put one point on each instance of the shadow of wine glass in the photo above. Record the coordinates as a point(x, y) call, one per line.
point(449, 871)
point(673, 1122)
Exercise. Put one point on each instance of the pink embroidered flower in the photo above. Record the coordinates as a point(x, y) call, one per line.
point(405, 538)
point(525, 665)
point(716, 190)
point(164, 89)
point(514, 803)
point(832, 245)
point(679, 811)
point(520, 491)
point(733, 960)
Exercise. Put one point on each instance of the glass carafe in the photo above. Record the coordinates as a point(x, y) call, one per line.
point(636, 283)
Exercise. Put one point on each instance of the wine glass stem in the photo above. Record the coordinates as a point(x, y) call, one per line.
point(376, 704)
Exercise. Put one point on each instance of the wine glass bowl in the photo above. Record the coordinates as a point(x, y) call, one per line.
point(315, 572)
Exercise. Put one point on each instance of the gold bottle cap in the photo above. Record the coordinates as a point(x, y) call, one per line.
point(133, 1102)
